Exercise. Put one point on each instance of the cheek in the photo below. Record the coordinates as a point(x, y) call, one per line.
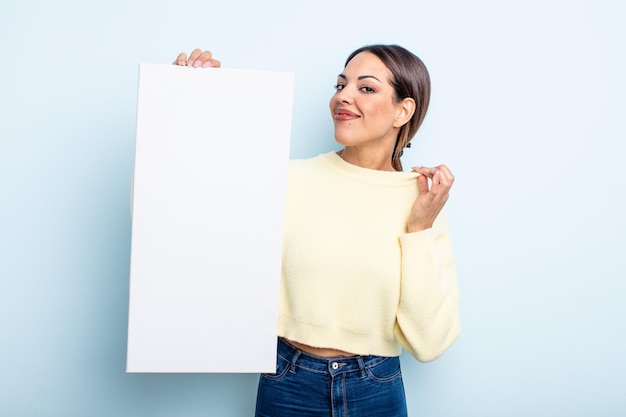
point(383, 111)
point(332, 103)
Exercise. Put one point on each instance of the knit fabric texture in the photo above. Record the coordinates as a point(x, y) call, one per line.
point(353, 278)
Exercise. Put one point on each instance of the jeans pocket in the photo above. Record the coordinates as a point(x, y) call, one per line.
point(385, 371)
point(282, 366)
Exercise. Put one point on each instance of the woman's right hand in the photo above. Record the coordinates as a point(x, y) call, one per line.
point(197, 59)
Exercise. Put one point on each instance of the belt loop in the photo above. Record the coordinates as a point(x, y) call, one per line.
point(295, 357)
point(359, 360)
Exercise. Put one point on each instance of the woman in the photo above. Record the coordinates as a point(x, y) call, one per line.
point(368, 267)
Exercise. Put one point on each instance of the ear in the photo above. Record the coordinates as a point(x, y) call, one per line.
point(406, 109)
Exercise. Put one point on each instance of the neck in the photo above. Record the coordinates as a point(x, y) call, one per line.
point(365, 158)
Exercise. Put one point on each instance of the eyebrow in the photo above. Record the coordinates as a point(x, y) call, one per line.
point(360, 77)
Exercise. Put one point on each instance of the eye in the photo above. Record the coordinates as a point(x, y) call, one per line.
point(367, 89)
point(339, 87)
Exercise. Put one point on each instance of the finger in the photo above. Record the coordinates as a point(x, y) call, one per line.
point(422, 185)
point(194, 55)
point(202, 59)
point(428, 172)
point(181, 59)
point(439, 187)
point(212, 63)
point(446, 174)
point(444, 180)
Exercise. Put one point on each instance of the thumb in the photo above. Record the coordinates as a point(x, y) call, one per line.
point(422, 184)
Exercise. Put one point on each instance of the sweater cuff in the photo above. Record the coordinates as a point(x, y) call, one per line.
point(416, 240)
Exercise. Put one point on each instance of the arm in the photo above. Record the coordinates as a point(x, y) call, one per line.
point(428, 313)
point(427, 320)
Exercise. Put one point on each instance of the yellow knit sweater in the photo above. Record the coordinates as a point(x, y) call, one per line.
point(353, 279)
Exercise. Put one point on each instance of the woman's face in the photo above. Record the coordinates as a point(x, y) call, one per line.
point(363, 107)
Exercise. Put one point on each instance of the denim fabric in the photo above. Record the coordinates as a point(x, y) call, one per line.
point(305, 385)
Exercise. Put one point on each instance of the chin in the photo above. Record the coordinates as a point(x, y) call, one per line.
point(345, 139)
point(345, 143)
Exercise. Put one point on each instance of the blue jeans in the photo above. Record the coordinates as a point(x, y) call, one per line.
point(305, 385)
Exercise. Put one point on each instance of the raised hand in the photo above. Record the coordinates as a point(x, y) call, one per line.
point(431, 199)
point(197, 59)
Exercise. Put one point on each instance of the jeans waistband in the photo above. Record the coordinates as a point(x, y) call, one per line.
point(300, 359)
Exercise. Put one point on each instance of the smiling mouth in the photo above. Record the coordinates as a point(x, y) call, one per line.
point(345, 115)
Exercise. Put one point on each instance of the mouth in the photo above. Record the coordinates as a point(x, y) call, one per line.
point(343, 114)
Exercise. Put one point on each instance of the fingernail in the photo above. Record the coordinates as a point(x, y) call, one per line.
point(190, 63)
point(197, 63)
point(206, 64)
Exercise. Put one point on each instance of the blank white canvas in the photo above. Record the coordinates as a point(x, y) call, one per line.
point(209, 193)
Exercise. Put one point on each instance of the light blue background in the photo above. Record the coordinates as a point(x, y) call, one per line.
point(528, 109)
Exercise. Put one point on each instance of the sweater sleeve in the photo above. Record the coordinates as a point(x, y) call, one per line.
point(428, 313)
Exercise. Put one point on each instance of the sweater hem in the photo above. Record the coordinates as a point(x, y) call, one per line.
point(320, 336)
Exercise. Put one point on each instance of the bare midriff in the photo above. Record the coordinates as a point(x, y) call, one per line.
point(323, 352)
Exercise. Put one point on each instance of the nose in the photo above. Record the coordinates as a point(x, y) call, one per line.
point(344, 95)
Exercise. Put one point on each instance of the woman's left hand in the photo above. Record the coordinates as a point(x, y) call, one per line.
point(431, 199)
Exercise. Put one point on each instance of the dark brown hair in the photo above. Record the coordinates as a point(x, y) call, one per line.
point(409, 79)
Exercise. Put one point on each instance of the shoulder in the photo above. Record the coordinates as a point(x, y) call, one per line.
point(316, 160)
point(308, 166)
point(307, 177)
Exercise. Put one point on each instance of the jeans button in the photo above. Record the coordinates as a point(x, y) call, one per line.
point(334, 365)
